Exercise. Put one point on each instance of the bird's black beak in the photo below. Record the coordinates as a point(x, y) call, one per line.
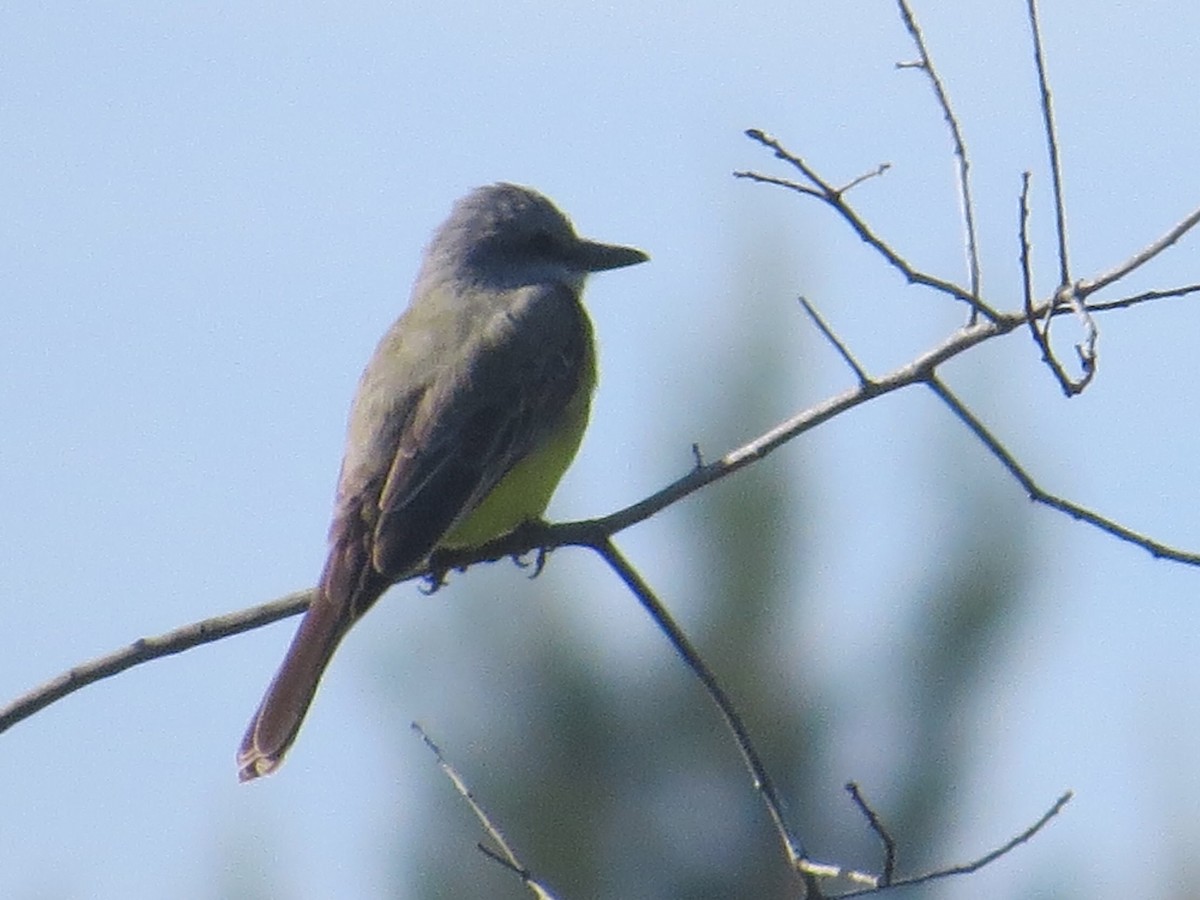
point(593, 257)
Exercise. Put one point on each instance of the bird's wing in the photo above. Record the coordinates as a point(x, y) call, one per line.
point(449, 443)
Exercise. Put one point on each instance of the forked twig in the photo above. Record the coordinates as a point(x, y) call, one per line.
point(976, 864)
point(1039, 325)
point(835, 198)
point(885, 838)
point(1067, 292)
point(505, 855)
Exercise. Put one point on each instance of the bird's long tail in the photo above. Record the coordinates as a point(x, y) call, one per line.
point(279, 716)
point(350, 584)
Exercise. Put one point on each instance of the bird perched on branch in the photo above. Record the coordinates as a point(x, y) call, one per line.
point(464, 421)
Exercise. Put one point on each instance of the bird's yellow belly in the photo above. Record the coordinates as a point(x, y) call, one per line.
point(525, 491)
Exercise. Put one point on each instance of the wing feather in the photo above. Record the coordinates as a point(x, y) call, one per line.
point(440, 447)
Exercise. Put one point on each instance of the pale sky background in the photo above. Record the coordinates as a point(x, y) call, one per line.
point(210, 212)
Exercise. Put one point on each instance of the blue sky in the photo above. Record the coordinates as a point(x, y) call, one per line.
point(210, 213)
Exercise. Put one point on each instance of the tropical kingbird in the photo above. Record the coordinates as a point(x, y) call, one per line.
point(464, 420)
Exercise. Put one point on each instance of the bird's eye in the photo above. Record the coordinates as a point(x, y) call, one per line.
point(542, 243)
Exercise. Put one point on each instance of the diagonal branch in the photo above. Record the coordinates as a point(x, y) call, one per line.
point(838, 344)
point(148, 648)
point(539, 536)
point(1089, 286)
point(1039, 495)
point(666, 624)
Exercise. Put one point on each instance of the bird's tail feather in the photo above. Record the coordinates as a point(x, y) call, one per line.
point(282, 710)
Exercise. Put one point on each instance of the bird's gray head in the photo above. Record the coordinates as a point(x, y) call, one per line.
point(505, 236)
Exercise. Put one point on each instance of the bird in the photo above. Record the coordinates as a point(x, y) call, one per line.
point(464, 420)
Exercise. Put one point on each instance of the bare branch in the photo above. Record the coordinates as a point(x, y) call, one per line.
point(834, 197)
point(505, 856)
point(985, 860)
point(878, 172)
point(838, 344)
point(925, 64)
point(1088, 287)
point(1038, 495)
point(145, 649)
point(1011, 845)
point(889, 843)
point(666, 623)
point(1031, 318)
point(1065, 298)
point(1146, 297)
point(1060, 208)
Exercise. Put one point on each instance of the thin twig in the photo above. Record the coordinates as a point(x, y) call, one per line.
point(1145, 297)
point(1087, 287)
point(926, 65)
point(889, 843)
point(1067, 293)
point(1011, 845)
point(833, 197)
point(1039, 326)
point(810, 870)
point(505, 855)
point(1060, 208)
point(1039, 337)
point(1068, 298)
point(838, 344)
point(878, 172)
point(1038, 495)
